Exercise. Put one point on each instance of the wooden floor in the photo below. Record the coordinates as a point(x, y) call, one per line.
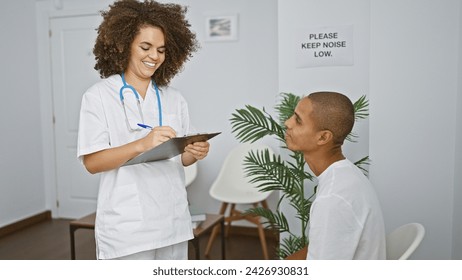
point(50, 240)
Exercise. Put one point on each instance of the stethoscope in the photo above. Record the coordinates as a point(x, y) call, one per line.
point(141, 125)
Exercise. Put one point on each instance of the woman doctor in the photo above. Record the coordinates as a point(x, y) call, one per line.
point(142, 209)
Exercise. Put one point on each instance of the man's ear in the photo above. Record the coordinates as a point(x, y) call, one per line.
point(324, 137)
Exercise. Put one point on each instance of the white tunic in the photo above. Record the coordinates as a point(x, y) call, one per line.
point(346, 220)
point(143, 206)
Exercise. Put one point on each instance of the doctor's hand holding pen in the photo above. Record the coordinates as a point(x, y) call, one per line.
point(115, 157)
point(156, 136)
point(160, 134)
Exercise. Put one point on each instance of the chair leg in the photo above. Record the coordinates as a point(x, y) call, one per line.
point(231, 214)
point(214, 233)
point(261, 231)
point(264, 204)
point(261, 234)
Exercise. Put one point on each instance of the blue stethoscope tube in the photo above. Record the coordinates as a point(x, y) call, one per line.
point(127, 86)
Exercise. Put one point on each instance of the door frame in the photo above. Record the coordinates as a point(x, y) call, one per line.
point(45, 11)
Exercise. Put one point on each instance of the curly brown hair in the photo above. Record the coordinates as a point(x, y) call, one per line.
point(122, 22)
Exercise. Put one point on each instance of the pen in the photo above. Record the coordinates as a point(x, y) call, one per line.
point(144, 126)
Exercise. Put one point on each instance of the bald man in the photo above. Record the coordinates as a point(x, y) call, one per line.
point(346, 221)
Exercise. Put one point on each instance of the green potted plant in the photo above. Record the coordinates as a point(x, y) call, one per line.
point(276, 173)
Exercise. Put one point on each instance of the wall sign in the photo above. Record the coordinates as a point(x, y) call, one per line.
point(324, 46)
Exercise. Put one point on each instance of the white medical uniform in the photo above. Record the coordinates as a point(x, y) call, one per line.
point(144, 206)
point(346, 220)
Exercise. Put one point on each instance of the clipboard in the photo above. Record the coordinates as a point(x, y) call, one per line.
point(170, 148)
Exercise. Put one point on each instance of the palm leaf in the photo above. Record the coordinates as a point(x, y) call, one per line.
point(361, 107)
point(275, 219)
point(291, 245)
point(251, 124)
point(268, 172)
point(352, 137)
point(299, 166)
point(286, 108)
point(271, 172)
point(302, 206)
point(362, 163)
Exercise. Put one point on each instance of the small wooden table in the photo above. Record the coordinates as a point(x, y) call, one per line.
point(204, 227)
point(88, 222)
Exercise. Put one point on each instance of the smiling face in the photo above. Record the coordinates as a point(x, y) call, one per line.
point(147, 52)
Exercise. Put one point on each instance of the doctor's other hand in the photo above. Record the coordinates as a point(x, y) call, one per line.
point(158, 135)
point(198, 150)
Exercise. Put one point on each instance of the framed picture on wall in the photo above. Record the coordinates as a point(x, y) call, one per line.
point(221, 28)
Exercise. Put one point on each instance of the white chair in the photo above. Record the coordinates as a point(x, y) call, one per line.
point(404, 240)
point(232, 187)
point(190, 173)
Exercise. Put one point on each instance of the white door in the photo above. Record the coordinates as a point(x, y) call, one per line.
point(71, 42)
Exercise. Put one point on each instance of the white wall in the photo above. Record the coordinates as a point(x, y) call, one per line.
point(413, 89)
point(21, 176)
point(457, 211)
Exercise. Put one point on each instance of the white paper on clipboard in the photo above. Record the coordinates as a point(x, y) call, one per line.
point(170, 148)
